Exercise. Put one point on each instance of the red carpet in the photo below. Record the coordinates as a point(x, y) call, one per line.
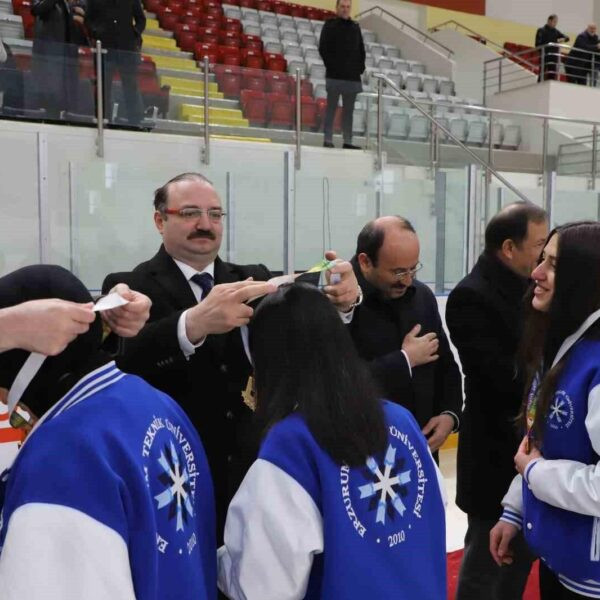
point(532, 591)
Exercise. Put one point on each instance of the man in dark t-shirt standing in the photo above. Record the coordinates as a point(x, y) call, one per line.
point(342, 49)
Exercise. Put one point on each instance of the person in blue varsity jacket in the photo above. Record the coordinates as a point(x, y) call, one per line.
point(345, 500)
point(556, 496)
point(110, 496)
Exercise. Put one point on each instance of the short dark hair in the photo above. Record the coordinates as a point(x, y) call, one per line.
point(511, 223)
point(552, 17)
point(371, 237)
point(331, 389)
point(161, 195)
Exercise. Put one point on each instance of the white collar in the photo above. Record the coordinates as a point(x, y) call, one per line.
point(189, 272)
point(572, 339)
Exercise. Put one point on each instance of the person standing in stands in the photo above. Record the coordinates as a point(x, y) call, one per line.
point(582, 59)
point(484, 314)
point(549, 34)
point(57, 32)
point(119, 25)
point(342, 49)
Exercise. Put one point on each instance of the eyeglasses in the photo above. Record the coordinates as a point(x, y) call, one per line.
point(402, 273)
point(191, 214)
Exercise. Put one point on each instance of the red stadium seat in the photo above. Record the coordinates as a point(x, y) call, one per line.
point(186, 40)
point(298, 11)
point(281, 111)
point(168, 20)
point(186, 28)
point(264, 5)
point(255, 107)
point(251, 41)
point(252, 59)
point(230, 38)
point(253, 80)
point(193, 10)
point(275, 62)
point(153, 5)
point(277, 82)
point(232, 25)
point(202, 49)
point(281, 8)
point(309, 111)
point(248, 3)
point(306, 88)
point(230, 83)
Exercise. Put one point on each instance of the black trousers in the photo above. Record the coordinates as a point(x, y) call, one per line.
point(480, 577)
point(348, 90)
point(126, 63)
point(551, 588)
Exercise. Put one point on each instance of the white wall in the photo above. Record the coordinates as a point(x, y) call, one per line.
point(572, 16)
point(413, 14)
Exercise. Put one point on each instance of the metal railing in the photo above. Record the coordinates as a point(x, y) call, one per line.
point(456, 26)
point(402, 25)
point(548, 62)
point(580, 157)
point(490, 171)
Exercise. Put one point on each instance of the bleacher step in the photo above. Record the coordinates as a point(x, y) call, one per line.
point(184, 65)
point(159, 33)
point(190, 87)
point(6, 7)
point(191, 75)
point(176, 100)
point(176, 53)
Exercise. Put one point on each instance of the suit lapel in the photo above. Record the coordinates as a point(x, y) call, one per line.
point(169, 276)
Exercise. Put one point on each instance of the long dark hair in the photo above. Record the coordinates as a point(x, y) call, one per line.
point(576, 296)
point(305, 361)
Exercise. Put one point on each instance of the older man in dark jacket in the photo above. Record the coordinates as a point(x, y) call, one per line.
point(582, 59)
point(342, 49)
point(484, 314)
point(119, 25)
point(549, 55)
point(399, 332)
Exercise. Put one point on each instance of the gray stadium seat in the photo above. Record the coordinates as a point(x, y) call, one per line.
point(267, 18)
point(232, 12)
point(368, 36)
point(319, 90)
point(430, 85)
point(372, 118)
point(417, 67)
point(369, 61)
point(317, 71)
point(295, 63)
point(401, 65)
point(497, 134)
point(268, 31)
point(459, 128)
point(399, 125)
point(447, 88)
point(359, 121)
point(477, 133)
point(311, 53)
point(444, 122)
point(273, 46)
point(303, 25)
point(250, 13)
point(412, 83)
point(286, 20)
point(376, 50)
point(512, 137)
point(396, 78)
point(392, 51)
point(291, 49)
point(287, 35)
point(385, 63)
point(252, 29)
point(420, 127)
point(308, 39)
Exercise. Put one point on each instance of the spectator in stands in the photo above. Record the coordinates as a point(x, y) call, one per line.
point(112, 472)
point(549, 56)
point(398, 329)
point(119, 25)
point(311, 519)
point(583, 59)
point(342, 49)
point(57, 33)
point(484, 314)
point(192, 348)
point(11, 78)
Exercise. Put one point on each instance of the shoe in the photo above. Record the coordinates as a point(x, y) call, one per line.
point(328, 145)
point(351, 147)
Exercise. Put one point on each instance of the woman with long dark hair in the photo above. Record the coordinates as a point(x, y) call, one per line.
point(556, 496)
point(344, 500)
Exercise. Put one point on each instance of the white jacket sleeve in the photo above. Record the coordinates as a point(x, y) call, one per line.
point(569, 484)
point(54, 552)
point(512, 503)
point(272, 532)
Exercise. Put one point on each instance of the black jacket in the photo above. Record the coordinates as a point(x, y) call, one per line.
point(378, 329)
point(548, 35)
point(580, 56)
point(54, 23)
point(484, 314)
point(207, 386)
point(342, 49)
point(118, 24)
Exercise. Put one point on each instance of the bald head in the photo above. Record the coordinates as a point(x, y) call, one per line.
point(387, 248)
point(592, 29)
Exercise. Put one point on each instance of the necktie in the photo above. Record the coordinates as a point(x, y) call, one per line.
point(205, 281)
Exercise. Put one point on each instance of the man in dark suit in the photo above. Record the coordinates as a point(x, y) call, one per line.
point(398, 329)
point(582, 59)
point(483, 315)
point(549, 55)
point(184, 349)
point(119, 25)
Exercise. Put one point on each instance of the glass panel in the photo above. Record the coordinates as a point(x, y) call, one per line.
point(331, 210)
point(573, 201)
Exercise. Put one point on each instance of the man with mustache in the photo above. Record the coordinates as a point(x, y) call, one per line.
point(398, 329)
point(191, 348)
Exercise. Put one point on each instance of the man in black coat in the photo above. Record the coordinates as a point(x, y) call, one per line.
point(549, 34)
point(57, 32)
point(483, 315)
point(342, 49)
point(583, 57)
point(185, 349)
point(119, 25)
point(398, 329)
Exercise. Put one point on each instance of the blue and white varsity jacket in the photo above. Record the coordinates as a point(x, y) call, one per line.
point(558, 499)
point(302, 526)
point(109, 497)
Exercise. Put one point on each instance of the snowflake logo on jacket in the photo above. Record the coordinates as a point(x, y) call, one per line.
point(387, 487)
point(177, 495)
